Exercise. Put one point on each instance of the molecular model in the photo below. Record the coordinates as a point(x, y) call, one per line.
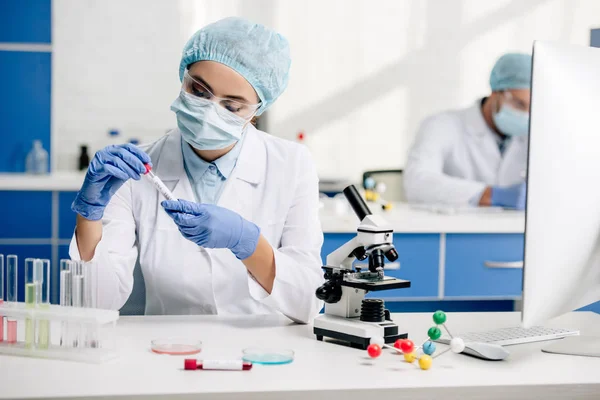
point(374, 191)
point(428, 348)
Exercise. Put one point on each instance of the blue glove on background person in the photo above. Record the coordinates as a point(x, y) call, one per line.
point(214, 227)
point(510, 196)
point(107, 172)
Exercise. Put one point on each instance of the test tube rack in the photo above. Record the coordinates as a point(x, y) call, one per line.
point(101, 322)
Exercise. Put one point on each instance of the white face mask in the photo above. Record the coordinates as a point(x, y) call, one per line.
point(203, 127)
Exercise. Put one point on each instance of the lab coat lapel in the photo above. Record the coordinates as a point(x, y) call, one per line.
point(168, 166)
point(486, 147)
point(240, 193)
point(513, 169)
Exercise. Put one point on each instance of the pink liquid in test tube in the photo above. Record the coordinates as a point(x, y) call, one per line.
point(11, 331)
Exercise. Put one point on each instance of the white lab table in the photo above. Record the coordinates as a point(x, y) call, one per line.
point(319, 371)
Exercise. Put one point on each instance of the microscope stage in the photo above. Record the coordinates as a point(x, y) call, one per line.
point(372, 286)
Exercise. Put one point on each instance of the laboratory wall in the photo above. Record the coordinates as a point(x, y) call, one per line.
point(364, 73)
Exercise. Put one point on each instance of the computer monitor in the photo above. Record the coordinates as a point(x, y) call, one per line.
point(562, 223)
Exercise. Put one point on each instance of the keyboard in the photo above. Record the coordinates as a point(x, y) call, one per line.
point(513, 335)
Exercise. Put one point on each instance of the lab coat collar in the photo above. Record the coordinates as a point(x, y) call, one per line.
point(475, 123)
point(476, 126)
point(169, 165)
point(250, 167)
point(252, 162)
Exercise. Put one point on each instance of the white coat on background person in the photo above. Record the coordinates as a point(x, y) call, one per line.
point(476, 156)
point(456, 156)
point(244, 236)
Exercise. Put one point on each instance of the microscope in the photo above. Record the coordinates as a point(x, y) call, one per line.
point(349, 316)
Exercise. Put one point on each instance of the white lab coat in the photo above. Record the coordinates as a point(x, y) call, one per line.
point(456, 155)
point(274, 185)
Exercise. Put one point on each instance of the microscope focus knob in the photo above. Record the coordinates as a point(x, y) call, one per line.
point(330, 292)
point(391, 255)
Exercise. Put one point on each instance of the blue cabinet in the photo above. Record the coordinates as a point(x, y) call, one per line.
point(25, 21)
point(25, 215)
point(469, 265)
point(66, 217)
point(25, 79)
point(419, 262)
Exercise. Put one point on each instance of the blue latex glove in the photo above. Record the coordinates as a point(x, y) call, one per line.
point(510, 196)
point(107, 172)
point(214, 227)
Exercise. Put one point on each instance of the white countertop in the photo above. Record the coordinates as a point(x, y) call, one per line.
point(320, 370)
point(57, 181)
point(406, 218)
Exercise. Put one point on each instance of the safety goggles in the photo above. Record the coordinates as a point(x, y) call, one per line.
point(514, 102)
point(227, 106)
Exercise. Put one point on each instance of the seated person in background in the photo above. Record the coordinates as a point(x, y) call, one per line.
point(476, 156)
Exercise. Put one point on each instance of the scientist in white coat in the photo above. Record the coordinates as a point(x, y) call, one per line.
point(476, 156)
point(245, 236)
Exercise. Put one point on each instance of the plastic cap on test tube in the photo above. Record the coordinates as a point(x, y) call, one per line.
point(148, 168)
point(190, 364)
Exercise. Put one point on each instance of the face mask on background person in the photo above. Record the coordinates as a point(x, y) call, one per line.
point(511, 122)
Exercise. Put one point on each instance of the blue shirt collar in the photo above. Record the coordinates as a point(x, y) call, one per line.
point(196, 167)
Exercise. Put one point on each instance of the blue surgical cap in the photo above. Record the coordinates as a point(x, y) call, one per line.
point(511, 71)
point(259, 54)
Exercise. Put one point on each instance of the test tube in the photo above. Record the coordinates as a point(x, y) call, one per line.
point(12, 268)
point(1, 296)
point(66, 283)
point(77, 299)
point(90, 298)
point(43, 278)
point(31, 298)
point(158, 183)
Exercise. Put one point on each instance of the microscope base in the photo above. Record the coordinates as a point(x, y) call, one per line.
point(354, 331)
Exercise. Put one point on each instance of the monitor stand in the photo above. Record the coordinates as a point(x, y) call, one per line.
point(576, 346)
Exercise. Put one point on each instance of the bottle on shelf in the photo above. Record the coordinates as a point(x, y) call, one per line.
point(114, 137)
point(84, 158)
point(37, 159)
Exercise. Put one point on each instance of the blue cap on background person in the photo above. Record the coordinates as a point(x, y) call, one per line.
point(511, 71)
point(259, 54)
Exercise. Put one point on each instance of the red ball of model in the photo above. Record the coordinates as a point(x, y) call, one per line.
point(374, 350)
point(398, 344)
point(407, 346)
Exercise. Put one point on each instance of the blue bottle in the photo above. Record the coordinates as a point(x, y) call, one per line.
point(37, 159)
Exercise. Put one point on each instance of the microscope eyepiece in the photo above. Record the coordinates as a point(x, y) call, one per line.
point(356, 201)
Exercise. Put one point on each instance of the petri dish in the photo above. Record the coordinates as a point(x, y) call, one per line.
point(176, 346)
point(258, 355)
